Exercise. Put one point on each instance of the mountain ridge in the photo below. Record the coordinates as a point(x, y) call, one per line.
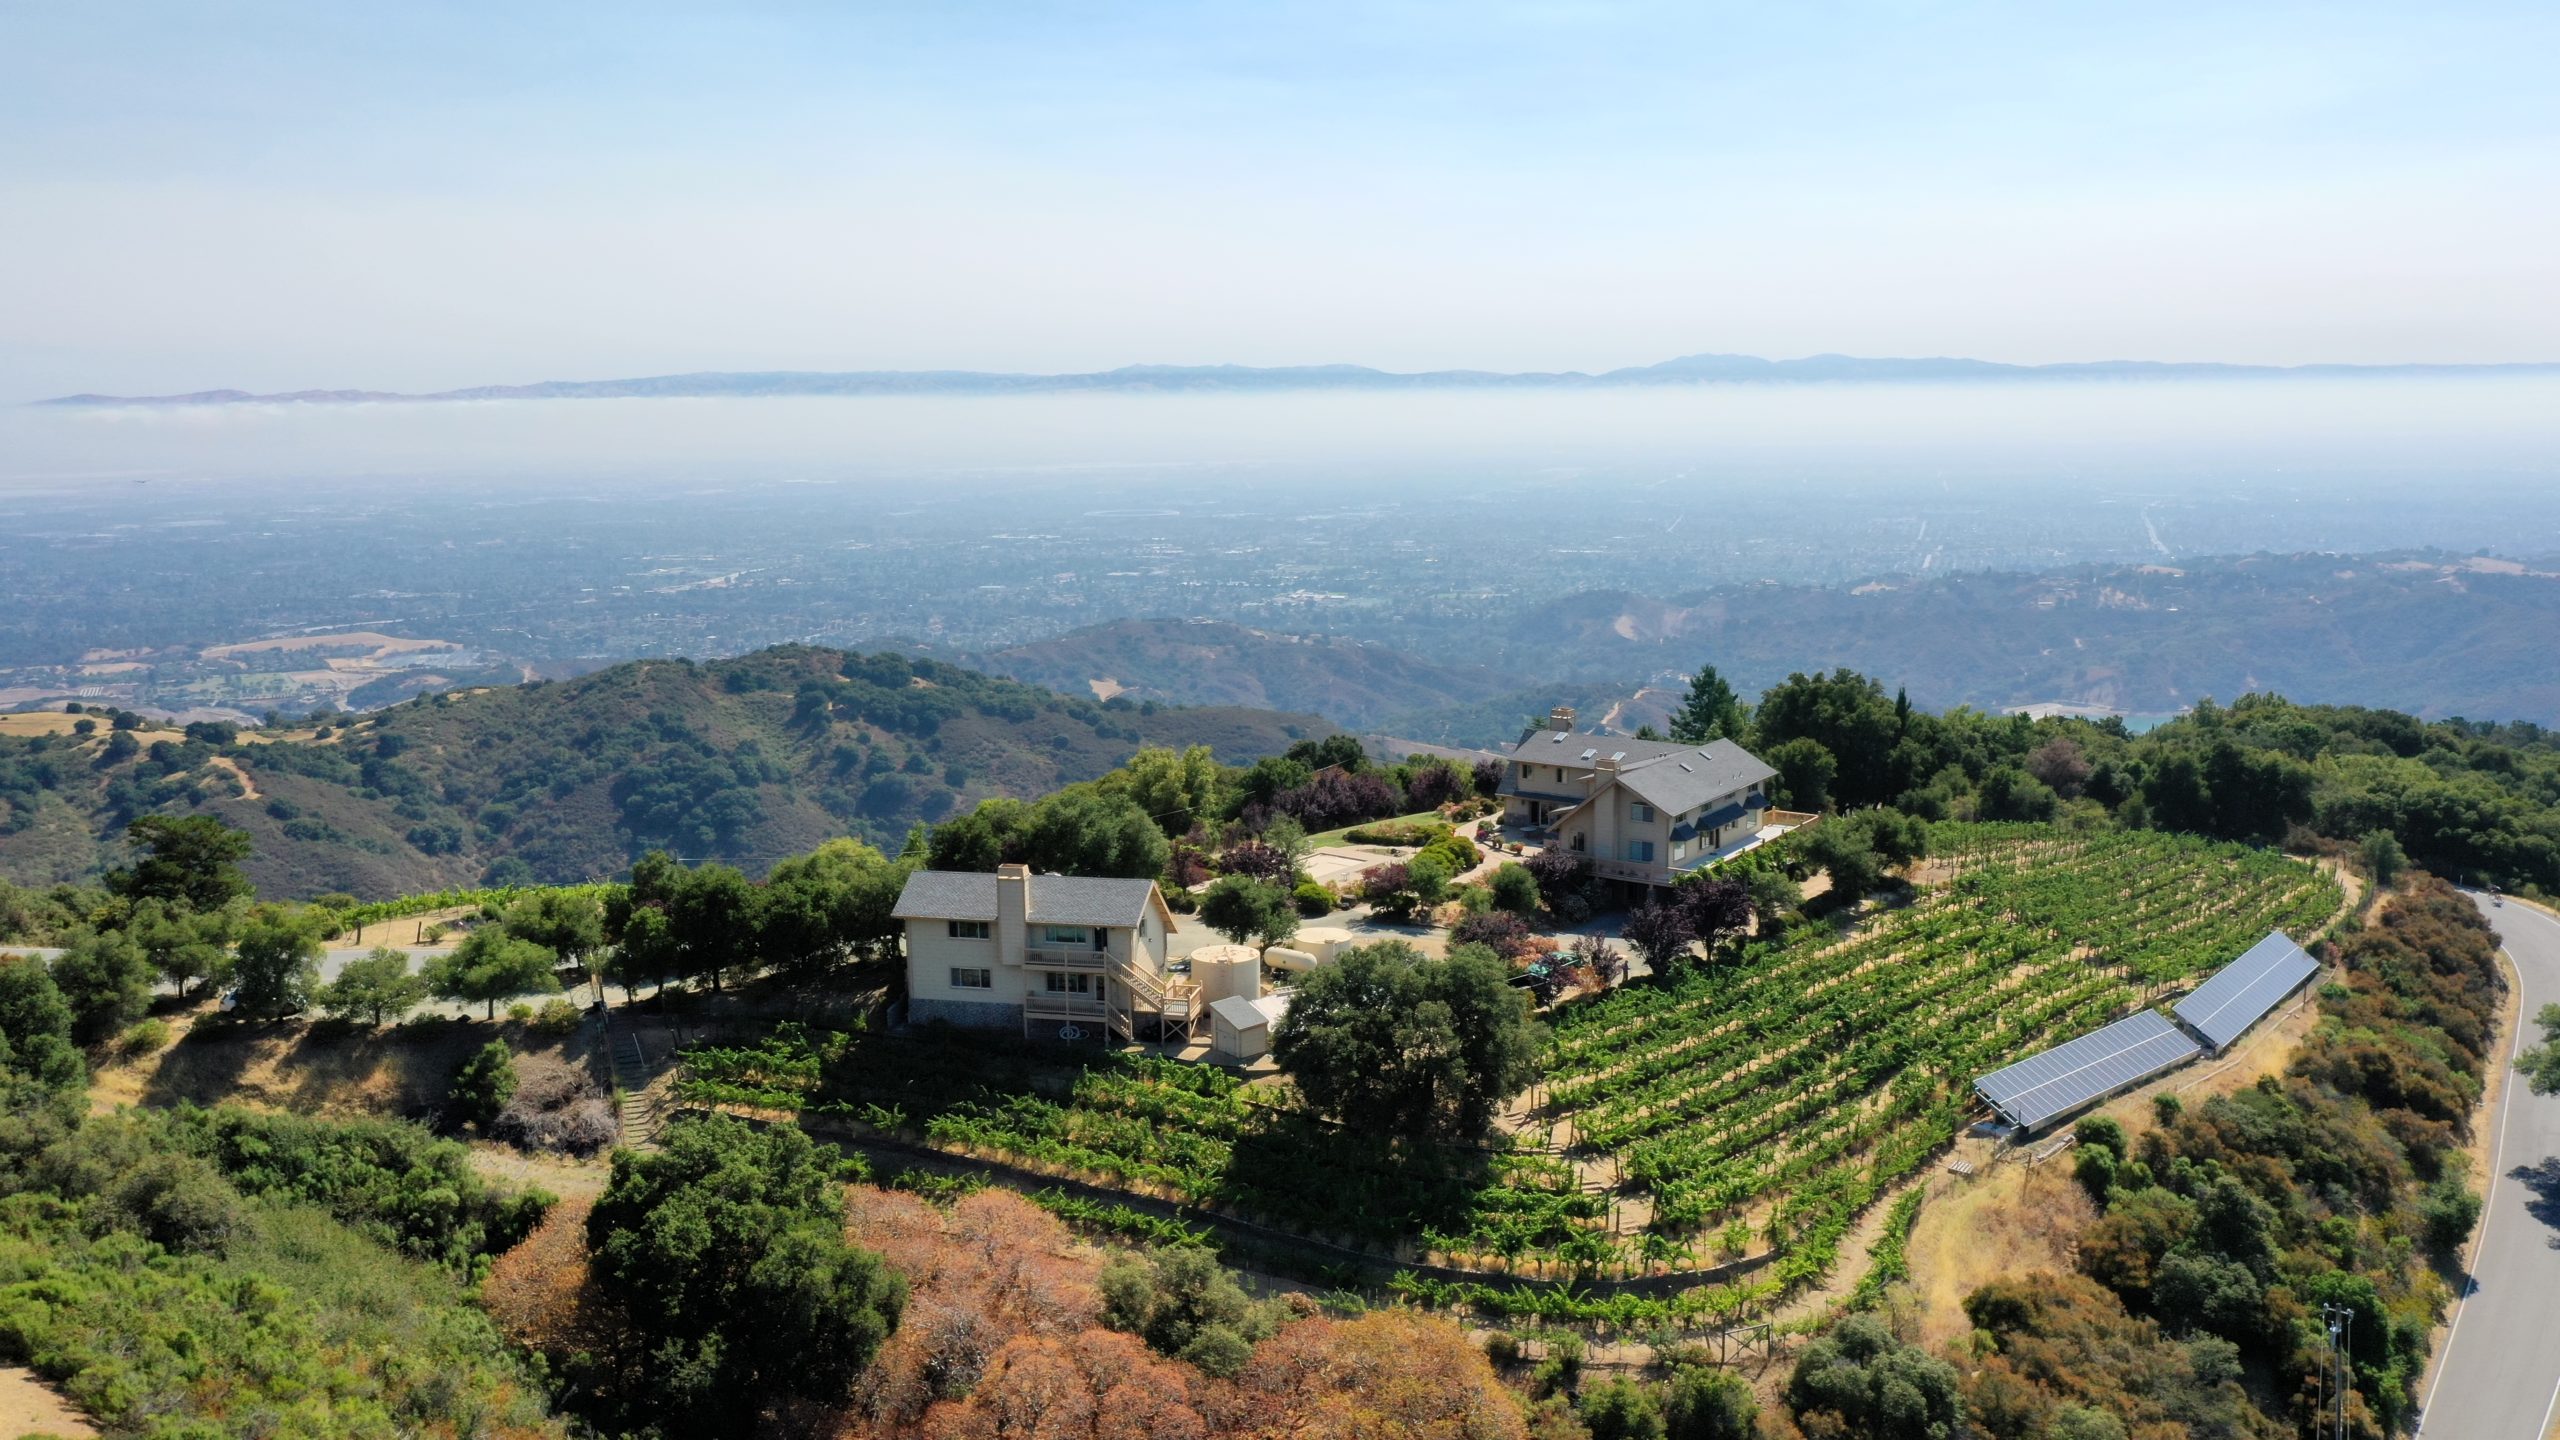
point(747, 759)
point(1702, 368)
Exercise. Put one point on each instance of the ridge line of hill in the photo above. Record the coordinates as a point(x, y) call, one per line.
point(1686, 369)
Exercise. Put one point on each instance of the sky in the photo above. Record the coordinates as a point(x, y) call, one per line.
point(276, 196)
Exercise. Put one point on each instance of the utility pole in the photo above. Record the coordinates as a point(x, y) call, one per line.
point(2342, 1329)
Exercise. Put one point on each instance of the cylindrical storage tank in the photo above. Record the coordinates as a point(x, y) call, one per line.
point(1287, 961)
point(1323, 942)
point(1227, 972)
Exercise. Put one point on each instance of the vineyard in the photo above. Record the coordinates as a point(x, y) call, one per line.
point(1752, 1111)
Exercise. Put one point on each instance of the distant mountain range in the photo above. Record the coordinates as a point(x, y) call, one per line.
point(2423, 631)
point(1687, 370)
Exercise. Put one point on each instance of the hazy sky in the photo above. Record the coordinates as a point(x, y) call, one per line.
point(280, 195)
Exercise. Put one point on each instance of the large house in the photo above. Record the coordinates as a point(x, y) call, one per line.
point(1050, 954)
point(1645, 811)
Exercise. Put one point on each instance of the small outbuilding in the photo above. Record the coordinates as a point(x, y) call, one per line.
point(1240, 1029)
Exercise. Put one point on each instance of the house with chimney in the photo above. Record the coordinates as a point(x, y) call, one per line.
point(1645, 812)
point(1061, 956)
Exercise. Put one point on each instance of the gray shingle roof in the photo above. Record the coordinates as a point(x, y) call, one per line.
point(1566, 747)
point(1055, 899)
point(1692, 775)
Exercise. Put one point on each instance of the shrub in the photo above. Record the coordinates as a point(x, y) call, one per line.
point(1314, 900)
point(1416, 833)
point(145, 1037)
point(1621, 1409)
point(482, 1086)
point(1514, 888)
point(1506, 934)
point(2449, 1209)
point(1456, 851)
point(556, 1017)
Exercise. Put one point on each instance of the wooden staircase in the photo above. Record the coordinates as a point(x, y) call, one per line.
point(639, 1115)
point(1174, 1004)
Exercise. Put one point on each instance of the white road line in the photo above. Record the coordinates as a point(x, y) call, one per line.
point(2546, 1411)
point(2480, 1233)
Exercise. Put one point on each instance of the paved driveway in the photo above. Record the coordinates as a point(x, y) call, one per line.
point(2500, 1374)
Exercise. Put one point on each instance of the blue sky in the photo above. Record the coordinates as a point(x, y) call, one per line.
point(273, 195)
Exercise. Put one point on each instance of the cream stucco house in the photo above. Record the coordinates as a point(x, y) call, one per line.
point(1645, 811)
point(1050, 954)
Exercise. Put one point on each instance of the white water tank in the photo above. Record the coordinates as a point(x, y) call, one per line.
point(1323, 942)
point(1226, 972)
point(1287, 961)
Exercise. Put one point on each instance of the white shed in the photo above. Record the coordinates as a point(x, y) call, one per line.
point(1240, 1029)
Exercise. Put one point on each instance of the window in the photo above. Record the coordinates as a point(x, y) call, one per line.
point(1068, 984)
point(1644, 814)
point(1679, 849)
point(1063, 935)
point(964, 978)
point(1640, 851)
point(969, 930)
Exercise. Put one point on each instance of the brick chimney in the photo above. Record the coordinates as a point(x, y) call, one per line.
point(1013, 911)
point(1561, 718)
point(1606, 764)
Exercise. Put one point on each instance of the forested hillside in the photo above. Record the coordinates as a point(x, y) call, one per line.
point(745, 760)
point(1209, 662)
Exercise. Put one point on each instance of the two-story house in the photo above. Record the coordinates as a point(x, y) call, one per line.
point(1049, 954)
point(1645, 811)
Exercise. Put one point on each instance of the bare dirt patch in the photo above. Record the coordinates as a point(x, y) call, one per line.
point(343, 639)
point(28, 1406)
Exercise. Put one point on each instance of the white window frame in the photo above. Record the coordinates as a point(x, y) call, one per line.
point(971, 929)
point(1644, 813)
point(1062, 937)
point(1059, 983)
point(972, 977)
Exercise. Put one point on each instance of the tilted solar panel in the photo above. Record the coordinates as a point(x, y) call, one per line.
point(2077, 1072)
point(2241, 993)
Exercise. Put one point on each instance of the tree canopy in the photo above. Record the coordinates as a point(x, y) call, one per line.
point(375, 988)
point(189, 860)
point(1411, 1046)
point(489, 966)
point(725, 1256)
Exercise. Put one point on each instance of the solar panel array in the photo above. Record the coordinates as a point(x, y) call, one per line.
point(2075, 1073)
point(2241, 993)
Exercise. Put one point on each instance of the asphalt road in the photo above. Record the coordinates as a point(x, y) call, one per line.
point(2500, 1375)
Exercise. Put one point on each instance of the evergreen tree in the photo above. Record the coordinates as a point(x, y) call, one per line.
point(1710, 713)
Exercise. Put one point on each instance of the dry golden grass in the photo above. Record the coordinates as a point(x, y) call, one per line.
point(2006, 1220)
point(38, 722)
point(322, 1070)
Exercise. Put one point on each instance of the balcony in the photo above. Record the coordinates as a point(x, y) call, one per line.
point(1640, 873)
point(1066, 957)
point(1053, 1006)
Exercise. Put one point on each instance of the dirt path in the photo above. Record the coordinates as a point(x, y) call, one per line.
point(237, 771)
point(28, 1406)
